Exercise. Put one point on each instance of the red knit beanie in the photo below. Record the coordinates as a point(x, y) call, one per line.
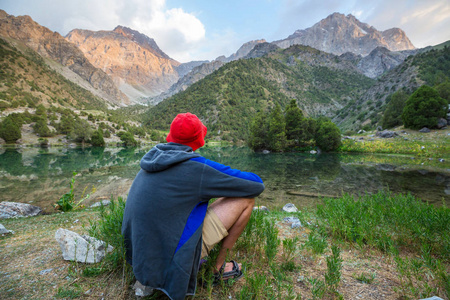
point(187, 129)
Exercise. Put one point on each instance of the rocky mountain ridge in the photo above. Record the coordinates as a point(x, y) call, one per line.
point(51, 45)
point(134, 61)
point(339, 34)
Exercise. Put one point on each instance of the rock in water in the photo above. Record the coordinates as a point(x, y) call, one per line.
point(290, 208)
point(14, 209)
point(81, 248)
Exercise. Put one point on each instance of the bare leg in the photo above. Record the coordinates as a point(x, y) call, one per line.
point(234, 214)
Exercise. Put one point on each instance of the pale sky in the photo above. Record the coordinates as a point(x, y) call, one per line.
point(189, 30)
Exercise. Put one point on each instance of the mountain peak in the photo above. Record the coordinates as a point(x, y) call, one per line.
point(140, 39)
point(339, 33)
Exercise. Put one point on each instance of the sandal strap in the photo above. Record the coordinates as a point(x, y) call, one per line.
point(234, 272)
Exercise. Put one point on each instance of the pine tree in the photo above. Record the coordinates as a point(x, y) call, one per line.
point(294, 121)
point(277, 128)
point(258, 139)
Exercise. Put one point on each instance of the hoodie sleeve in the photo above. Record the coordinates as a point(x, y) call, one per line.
point(221, 181)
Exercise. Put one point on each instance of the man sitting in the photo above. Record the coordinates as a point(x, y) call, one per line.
point(168, 225)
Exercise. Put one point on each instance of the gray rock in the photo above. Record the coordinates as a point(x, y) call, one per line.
point(260, 208)
point(386, 134)
point(432, 298)
point(441, 123)
point(3, 230)
point(46, 271)
point(295, 222)
point(265, 151)
point(424, 130)
point(103, 202)
point(386, 167)
point(142, 290)
point(313, 151)
point(361, 131)
point(81, 248)
point(290, 208)
point(14, 209)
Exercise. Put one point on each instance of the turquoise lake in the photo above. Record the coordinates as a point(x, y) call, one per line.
point(41, 176)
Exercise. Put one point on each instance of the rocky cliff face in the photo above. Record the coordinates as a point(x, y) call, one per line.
point(52, 45)
point(381, 60)
point(338, 34)
point(134, 61)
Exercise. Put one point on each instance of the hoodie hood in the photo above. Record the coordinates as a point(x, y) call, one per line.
point(162, 156)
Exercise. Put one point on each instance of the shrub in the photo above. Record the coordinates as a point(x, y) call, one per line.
point(41, 128)
point(9, 131)
point(392, 115)
point(127, 138)
point(423, 108)
point(97, 138)
point(328, 136)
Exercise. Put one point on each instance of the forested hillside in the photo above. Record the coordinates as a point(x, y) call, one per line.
point(431, 68)
point(26, 81)
point(228, 99)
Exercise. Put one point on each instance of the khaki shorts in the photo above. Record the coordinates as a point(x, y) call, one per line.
point(213, 231)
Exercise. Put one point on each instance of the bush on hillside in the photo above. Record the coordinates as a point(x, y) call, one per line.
point(392, 115)
point(9, 131)
point(328, 136)
point(127, 138)
point(97, 138)
point(41, 128)
point(423, 108)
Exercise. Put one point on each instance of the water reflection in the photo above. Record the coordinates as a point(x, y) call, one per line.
point(41, 176)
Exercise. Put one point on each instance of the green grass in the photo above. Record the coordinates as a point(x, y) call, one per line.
point(370, 239)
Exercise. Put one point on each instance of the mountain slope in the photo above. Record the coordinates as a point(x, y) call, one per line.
point(227, 99)
point(338, 34)
point(134, 61)
point(27, 81)
point(51, 45)
point(430, 67)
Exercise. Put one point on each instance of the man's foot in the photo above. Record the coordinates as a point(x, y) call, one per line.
point(230, 270)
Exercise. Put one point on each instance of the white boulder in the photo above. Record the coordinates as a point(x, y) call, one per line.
point(81, 248)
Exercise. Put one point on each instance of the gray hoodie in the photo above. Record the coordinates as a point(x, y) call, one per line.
point(164, 212)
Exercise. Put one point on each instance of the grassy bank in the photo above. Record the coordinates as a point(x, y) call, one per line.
point(378, 247)
point(435, 144)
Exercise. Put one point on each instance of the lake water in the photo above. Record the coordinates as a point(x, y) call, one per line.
point(41, 176)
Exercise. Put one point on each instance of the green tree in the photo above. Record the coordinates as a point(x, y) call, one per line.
point(41, 128)
point(444, 90)
point(392, 115)
point(9, 131)
point(40, 110)
point(97, 138)
point(127, 138)
point(81, 131)
point(328, 136)
point(277, 129)
point(258, 138)
point(423, 108)
point(294, 121)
